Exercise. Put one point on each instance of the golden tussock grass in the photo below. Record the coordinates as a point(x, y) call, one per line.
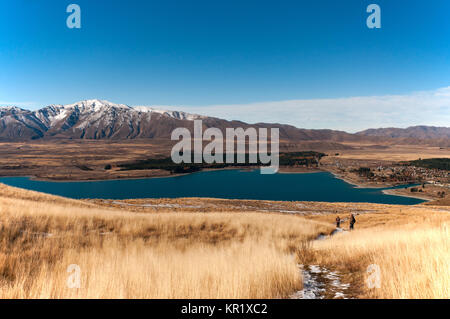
point(238, 270)
point(412, 250)
point(123, 254)
point(161, 255)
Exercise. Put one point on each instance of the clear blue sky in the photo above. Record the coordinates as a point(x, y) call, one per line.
point(209, 52)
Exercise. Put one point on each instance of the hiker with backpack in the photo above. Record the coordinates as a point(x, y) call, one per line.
point(352, 221)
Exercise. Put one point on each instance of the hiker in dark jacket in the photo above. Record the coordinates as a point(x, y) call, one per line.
point(338, 222)
point(352, 221)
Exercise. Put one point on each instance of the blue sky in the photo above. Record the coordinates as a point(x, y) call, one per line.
point(203, 54)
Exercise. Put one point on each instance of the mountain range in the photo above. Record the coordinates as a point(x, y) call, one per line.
point(99, 119)
point(419, 132)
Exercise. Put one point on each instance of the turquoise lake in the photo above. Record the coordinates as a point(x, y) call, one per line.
point(231, 184)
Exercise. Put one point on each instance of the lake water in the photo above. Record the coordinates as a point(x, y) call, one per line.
point(232, 184)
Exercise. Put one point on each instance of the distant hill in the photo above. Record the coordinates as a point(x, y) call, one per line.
point(417, 132)
point(97, 119)
point(103, 120)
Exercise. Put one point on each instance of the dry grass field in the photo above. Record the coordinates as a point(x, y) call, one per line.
point(79, 160)
point(410, 245)
point(123, 254)
point(211, 252)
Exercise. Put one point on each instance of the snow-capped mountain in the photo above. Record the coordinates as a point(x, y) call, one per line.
point(17, 123)
point(99, 119)
point(92, 119)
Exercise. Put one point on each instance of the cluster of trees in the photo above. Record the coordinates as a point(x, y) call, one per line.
point(307, 158)
point(432, 163)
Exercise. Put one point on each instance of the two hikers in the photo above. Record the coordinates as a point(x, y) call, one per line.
point(352, 221)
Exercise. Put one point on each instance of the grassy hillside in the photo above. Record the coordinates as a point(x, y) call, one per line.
point(409, 245)
point(130, 255)
point(167, 254)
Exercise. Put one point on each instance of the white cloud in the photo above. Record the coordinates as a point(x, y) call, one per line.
point(349, 114)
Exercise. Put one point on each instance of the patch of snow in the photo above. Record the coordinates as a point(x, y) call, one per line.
point(61, 115)
point(319, 283)
point(173, 114)
point(337, 231)
point(321, 237)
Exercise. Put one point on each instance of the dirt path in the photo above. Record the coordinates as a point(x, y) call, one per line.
point(321, 283)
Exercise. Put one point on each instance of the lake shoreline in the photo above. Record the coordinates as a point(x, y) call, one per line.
point(282, 170)
point(397, 193)
point(359, 184)
point(240, 183)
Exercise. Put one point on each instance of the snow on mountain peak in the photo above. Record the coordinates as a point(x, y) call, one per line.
point(11, 109)
point(95, 105)
point(91, 118)
point(96, 109)
point(173, 114)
